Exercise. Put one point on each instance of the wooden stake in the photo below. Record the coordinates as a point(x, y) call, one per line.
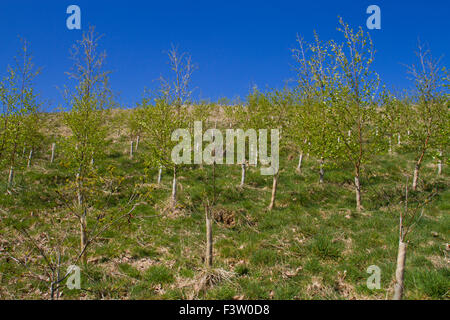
point(209, 238)
point(242, 175)
point(10, 176)
point(29, 158)
point(274, 191)
point(358, 193)
point(440, 163)
point(300, 160)
point(131, 149)
point(174, 186)
point(53, 152)
point(138, 138)
point(159, 175)
point(400, 271)
point(321, 171)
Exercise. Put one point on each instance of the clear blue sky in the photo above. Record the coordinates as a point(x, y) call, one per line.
point(235, 44)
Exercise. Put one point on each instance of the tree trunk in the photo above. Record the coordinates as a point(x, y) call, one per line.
point(321, 171)
point(138, 138)
point(83, 222)
point(300, 160)
point(159, 175)
point(399, 139)
point(358, 193)
point(419, 162)
point(174, 186)
point(242, 175)
point(29, 158)
point(390, 145)
point(131, 149)
point(209, 239)
point(274, 191)
point(83, 237)
point(53, 152)
point(400, 271)
point(10, 176)
point(440, 163)
point(78, 184)
point(416, 176)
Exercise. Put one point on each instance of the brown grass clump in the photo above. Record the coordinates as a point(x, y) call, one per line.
point(224, 216)
point(204, 281)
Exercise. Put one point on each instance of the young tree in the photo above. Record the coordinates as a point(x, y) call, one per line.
point(430, 112)
point(19, 117)
point(135, 127)
point(310, 129)
point(90, 97)
point(271, 111)
point(355, 110)
point(340, 95)
point(166, 111)
point(407, 220)
point(239, 117)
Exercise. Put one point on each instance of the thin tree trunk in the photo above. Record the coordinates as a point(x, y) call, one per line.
point(209, 239)
point(58, 274)
point(321, 171)
point(390, 145)
point(300, 160)
point(29, 158)
point(83, 221)
point(78, 184)
point(274, 191)
point(138, 138)
point(242, 175)
point(159, 175)
point(400, 271)
point(358, 193)
point(419, 163)
point(131, 149)
point(416, 175)
point(83, 237)
point(440, 163)
point(10, 176)
point(399, 139)
point(174, 186)
point(53, 152)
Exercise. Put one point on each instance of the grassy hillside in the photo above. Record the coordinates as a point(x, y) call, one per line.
point(313, 245)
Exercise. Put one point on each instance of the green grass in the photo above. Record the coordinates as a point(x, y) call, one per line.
point(313, 245)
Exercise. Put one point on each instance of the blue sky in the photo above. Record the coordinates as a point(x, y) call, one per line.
point(236, 44)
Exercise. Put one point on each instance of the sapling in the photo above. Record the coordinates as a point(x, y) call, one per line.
point(30, 156)
point(337, 87)
point(131, 149)
point(430, 111)
point(407, 220)
point(165, 111)
point(209, 238)
point(52, 158)
point(89, 99)
point(19, 116)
